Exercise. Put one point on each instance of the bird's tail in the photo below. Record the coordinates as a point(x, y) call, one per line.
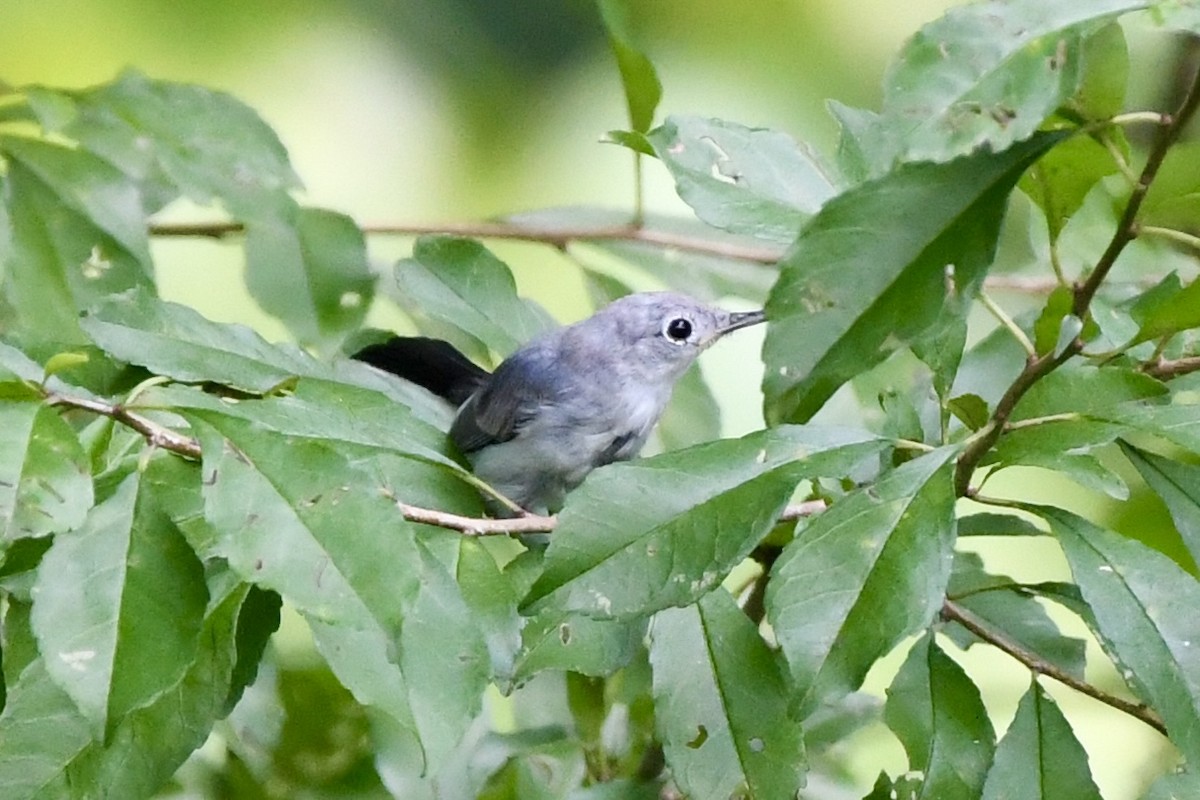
point(430, 363)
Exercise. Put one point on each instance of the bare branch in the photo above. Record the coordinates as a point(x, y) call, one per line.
point(1166, 368)
point(1035, 663)
point(155, 434)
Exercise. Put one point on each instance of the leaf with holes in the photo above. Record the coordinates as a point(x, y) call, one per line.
point(743, 180)
point(863, 281)
point(1144, 605)
point(720, 703)
point(312, 274)
point(119, 603)
point(636, 538)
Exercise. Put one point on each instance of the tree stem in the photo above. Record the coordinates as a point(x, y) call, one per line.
point(952, 611)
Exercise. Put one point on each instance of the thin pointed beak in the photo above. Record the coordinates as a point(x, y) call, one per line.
point(743, 319)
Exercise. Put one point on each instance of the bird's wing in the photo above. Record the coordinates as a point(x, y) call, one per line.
point(511, 397)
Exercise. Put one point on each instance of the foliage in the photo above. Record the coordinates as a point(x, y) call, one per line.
point(168, 484)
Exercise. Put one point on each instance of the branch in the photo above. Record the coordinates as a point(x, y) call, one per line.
point(163, 437)
point(1166, 368)
point(556, 236)
point(952, 611)
point(1037, 367)
point(156, 435)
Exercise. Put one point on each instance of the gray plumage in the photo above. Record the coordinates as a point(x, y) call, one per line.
point(571, 400)
point(586, 395)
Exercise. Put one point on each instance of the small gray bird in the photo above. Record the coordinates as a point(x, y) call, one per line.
point(572, 399)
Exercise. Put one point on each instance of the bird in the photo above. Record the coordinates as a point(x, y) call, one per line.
point(572, 399)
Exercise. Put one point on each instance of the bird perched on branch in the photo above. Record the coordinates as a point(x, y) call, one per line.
point(569, 401)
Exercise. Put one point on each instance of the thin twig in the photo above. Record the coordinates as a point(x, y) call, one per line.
point(555, 236)
point(1000, 640)
point(1179, 237)
point(155, 434)
point(167, 439)
point(1009, 324)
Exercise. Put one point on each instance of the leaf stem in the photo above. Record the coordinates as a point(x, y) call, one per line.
point(1004, 319)
point(1170, 233)
point(952, 611)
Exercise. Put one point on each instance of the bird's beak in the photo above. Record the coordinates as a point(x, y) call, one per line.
point(743, 319)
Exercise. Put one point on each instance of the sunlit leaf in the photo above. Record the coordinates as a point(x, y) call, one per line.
point(988, 74)
point(205, 142)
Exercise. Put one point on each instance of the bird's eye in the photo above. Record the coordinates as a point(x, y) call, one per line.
point(678, 330)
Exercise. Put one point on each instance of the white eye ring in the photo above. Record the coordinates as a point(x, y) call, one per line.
point(677, 330)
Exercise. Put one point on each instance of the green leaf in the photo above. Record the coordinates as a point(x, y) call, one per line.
point(720, 703)
point(855, 150)
point(936, 712)
point(41, 731)
point(990, 524)
point(1039, 757)
point(46, 741)
point(1178, 485)
point(45, 477)
point(492, 598)
point(744, 180)
point(1061, 180)
point(988, 74)
point(1178, 313)
point(312, 274)
point(78, 234)
point(118, 606)
point(862, 575)
point(315, 409)
point(458, 285)
point(279, 507)
point(173, 340)
point(638, 77)
point(1144, 608)
point(971, 410)
point(635, 538)
point(205, 142)
point(1083, 389)
point(862, 281)
point(577, 642)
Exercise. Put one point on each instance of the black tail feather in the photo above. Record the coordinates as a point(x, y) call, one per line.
point(430, 363)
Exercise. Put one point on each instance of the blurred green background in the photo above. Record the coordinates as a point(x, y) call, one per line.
point(420, 111)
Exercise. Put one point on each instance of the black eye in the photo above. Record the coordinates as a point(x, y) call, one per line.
point(678, 329)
